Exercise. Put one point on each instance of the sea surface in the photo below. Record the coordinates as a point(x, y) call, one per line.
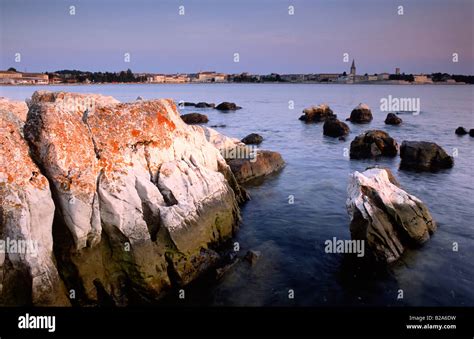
point(291, 236)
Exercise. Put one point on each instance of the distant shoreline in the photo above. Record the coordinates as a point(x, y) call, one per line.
point(241, 83)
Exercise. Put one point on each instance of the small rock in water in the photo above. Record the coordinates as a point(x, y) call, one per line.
point(392, 119)
point(222, 125)
point(372, 144)
point(205, 105)
point(194, 118)
point(335, 128)
point(252, 256)
point(471, 132)
point(424, 156)
point(317, 114)
point(252, 139)
point(227, 106)
point(460, 131)
point(361, 114)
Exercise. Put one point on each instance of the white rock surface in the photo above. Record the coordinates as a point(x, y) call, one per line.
point(27, 274)
point(384, 214)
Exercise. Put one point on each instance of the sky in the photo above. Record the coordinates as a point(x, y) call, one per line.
point(263, 33)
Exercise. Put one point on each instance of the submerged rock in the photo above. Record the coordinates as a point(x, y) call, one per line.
point(227, 106)
point(195, 118)
point(260, 164)
point(424, 156)
point(28, 274)
point(386, 217)
point(252, 139)
point(335, 128)
point(317, 113)
point(373, 143)
point(460, 131)
point(393, 119)
point(139, 194)
point(361, 114)
point(252, 256)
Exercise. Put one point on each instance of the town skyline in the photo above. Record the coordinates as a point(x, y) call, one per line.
point(267, 37)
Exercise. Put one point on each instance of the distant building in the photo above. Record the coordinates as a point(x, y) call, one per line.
point(328, 77)
point(422, 79)
point(293, 77)
point(176, 79)
point(353, 68)
point(383, 76)
point(397, 71)
point(206, 76)
point(211, 77)
point(371, 77)
point(19, 78)
point(156, 78)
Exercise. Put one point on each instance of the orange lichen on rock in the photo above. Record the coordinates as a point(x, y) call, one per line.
point(18, 108)
point(16, 166)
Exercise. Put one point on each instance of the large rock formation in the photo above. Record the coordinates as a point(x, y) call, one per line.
point(424, 156)
point(335, 128)
point(386, 217)
point(373, 143)
point(28, 273)
point(361, 114)
point(317, 113)
point(18, 108)
point(140, 196)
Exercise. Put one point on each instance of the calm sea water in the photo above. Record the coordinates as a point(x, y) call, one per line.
point(291, 236)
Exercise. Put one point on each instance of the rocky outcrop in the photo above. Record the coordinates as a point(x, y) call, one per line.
point(220, 141)
point(18, 108)
point(28, 273)
point(205, 105)
point(471, 132)
point(460, 131)
point(257, 166)
point(424, 156)
point(361, 114)
point(317, 113)
point(140, 196)
point(194, 118)
point(386, 217)
point(335, 128)
point(372, 144)
point(227, 106)
point(393, 119)
point(253, 139)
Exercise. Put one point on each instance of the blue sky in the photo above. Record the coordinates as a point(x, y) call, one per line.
point(267, 38)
